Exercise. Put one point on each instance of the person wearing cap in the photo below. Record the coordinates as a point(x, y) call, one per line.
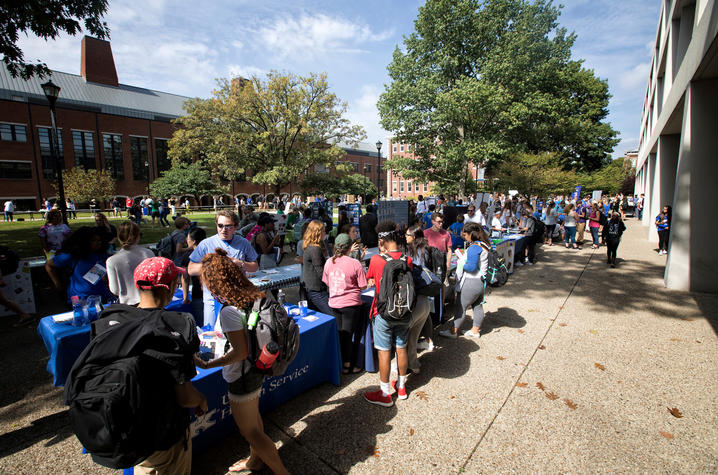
point(345, 280)
point(157, 278)
point(238, 249)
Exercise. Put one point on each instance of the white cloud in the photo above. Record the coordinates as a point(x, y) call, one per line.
point(236, 70)
point(363, 111)
point(237, 44)
point(309, 36)
point(636, 78)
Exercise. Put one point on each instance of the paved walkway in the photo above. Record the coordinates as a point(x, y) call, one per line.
point(576, 372)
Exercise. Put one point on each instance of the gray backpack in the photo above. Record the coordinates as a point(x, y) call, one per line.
point(273, 324)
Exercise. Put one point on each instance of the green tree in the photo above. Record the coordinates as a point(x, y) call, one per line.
point(617, 176)
point(478, 82)
point(535, 174)
point(84, 185)
point(46, 19)
point(185, 179)
point(277, 128)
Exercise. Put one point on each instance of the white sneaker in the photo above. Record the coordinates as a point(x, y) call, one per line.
point(529, 263)
point(471, 334)
point(518, 263)
point(431, 346)
point(422, 345)
point(449, 334)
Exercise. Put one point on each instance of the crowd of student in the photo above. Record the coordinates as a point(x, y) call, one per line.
point(333, 278)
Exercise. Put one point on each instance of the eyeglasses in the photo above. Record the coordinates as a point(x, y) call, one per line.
point(471, 210)
point(439, 221)
point(228, 226)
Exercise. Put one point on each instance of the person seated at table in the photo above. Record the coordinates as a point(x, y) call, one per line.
point(195, 236)
point(84, 256)
point(345, 280)
point(53, 233)
point(238, 249)
point(121, 266)
point(388, 334)
point(156, 279)
point(229, 285)
point(496, 227)
point(107, 231)
point(313, 259)
point(266, 242)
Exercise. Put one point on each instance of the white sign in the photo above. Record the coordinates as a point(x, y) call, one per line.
point(280, 223)
point(596, 195)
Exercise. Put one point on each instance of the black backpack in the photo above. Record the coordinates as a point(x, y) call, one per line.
point(166, 248)
point(397, 294)
point(121, 388)
point(497, 273)
point(273, 324)
point(603, 220)
point(539, 228)
point(9, 261)
point(437, 262)
point(426, 282)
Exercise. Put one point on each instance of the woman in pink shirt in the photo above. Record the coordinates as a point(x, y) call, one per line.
point(594, 222)
point(345, 279)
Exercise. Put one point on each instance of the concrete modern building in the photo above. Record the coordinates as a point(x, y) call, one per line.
point(678, 152)
point(103, 124)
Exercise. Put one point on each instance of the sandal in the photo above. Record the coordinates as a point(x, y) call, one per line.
point(241, 467)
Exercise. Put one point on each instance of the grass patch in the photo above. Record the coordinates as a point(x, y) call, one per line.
point(22, 236)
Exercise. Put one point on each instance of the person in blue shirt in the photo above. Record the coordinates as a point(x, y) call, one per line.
point(84, 256)
point(455, 231)
point(472, 282)
point(663, 226)
point(238, 249)
point(427, 217)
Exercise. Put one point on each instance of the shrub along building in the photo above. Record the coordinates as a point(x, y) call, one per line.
point(103, 124)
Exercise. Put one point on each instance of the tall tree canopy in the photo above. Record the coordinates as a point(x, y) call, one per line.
point(276, 128)
point(47, 19)
point(185, 179)
point(479, 81)
point(84, 185)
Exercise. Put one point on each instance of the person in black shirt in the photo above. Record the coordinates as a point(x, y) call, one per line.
point(367, 228)
point(107, 231)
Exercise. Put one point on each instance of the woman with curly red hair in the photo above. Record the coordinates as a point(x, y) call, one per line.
point(228, 284)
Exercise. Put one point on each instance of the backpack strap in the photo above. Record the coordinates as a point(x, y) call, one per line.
point(386, 257)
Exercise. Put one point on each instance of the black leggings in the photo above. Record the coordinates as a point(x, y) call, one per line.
point(663, 240)
point(611, 248)
point(349, 323)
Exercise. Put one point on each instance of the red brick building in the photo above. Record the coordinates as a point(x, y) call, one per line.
point(102, 124)
point(399, 187)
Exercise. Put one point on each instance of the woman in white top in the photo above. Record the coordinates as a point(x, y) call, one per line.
point(417, 248)
point(230, 285)
point(569, 225)
point(121, 266)
point(550, 222)
point(507, 219)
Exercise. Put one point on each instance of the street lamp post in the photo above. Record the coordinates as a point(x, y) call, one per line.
point(378, 167)
point(52, 92)
point(147, 165)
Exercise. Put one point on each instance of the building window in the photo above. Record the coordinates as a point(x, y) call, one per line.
point(367, 167)
point(401, 186)
point(163, 161)
point(426, 187)
point(84, 145)
point(416, 187)
point(138, 151)
point(112, 143)
point(13, 132)
point(355, 166)
point(393, 186)
point(408, 147)
point(321, 168)
point(48, 164)
point(393, 148)
point(16, 170)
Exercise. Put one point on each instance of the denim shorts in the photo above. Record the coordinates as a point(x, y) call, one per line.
point(388, 333)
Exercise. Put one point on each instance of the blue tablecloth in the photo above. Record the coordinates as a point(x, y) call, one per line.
point(64, 342)
point(317, 361)
point(520, 245)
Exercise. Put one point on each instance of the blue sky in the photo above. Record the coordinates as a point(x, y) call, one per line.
point(181, 46)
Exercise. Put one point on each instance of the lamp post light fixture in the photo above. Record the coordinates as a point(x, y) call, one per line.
point(378, 167)
point(147, 166)
point(52, 92)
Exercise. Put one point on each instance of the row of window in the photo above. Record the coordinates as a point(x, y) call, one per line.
point(402, 148)
point(409, 186)
point(83, 144)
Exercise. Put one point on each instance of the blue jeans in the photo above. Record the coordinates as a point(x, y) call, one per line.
point(388, 333)
point(570, 234)
point(594, 235)
point(319, 300)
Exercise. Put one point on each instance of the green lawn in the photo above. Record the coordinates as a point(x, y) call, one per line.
point(22, 236)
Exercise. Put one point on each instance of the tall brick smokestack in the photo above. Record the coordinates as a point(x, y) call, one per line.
point(98, 64)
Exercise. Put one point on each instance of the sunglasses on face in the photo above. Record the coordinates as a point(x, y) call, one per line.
point(227, 226)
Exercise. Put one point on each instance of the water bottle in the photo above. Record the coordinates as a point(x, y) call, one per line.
point(93, 307)
point(267, 356)
point(281, 297)
point(78, 313)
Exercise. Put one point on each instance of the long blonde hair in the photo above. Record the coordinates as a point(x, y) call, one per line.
point(313, 234)
point(127, 234)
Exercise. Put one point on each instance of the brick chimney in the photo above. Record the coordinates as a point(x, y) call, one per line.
point(97, 62)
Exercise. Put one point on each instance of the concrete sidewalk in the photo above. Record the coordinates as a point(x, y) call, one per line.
point(576, 371)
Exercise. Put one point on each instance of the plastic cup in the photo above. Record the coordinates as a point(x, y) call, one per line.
point(302, 304)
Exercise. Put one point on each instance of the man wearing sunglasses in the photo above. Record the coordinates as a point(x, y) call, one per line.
point(238, 249)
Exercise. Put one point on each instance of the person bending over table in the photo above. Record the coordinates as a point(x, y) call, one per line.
point(122, 265)
point(228, 284)
point(345, 279)
point(237, 248)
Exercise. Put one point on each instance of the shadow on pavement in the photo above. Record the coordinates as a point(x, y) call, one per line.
point(20, 439)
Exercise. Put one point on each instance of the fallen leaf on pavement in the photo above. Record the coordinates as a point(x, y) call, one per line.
point(686, 319)
point(675, 412)
point(619, 381)
point(542, 347)
point(552, 396)
point(599, 366)
point(500, 358)
point(570, 403)
point(675, 339)
point(373, 450)
point(522, 385)
point(341, 452)
point(562, 324)
point(540, 386)
point(422, 395)
point(520, 330)
point(595, 332)
point(452, 396)
point(667, 435)
point(411, 431)
point(533, 310)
